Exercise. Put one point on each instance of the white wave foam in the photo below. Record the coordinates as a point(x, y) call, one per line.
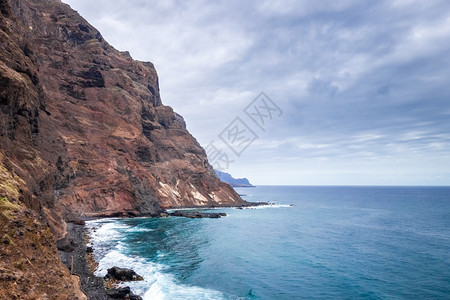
point(109, 251)
point(103, 231)
point(165, 287)
point(156, 284)
point(105, 235)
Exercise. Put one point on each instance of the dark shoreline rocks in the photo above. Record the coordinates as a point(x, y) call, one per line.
point(95, 287)
point(196, 214)
point(92, 286)
point(244, 205)
point(66, 244)
point(123, 274)
point(122, 293)
point(191, 213)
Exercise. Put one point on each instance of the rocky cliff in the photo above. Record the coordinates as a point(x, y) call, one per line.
point(83, 131)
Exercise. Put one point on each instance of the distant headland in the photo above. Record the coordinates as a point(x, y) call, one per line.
point(234, 182)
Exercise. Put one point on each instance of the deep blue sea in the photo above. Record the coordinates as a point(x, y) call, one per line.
point(333, 243)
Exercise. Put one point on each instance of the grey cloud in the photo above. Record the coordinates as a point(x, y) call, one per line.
point(339, 70)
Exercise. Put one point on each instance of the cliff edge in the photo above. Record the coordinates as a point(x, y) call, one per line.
point(83, 132)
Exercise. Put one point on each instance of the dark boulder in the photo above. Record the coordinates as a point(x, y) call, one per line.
point(71, 218)
point(123, 274)
point(79, 222)
point(65, 244)
point(122, 293)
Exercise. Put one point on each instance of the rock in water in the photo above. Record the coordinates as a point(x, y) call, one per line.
point(123, 274)
point(122, 293)
point(196, 214)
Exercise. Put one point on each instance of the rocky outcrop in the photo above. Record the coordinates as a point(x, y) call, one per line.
point(196, 214)
point(122, 293)
point(83, 132)
point(65, 244)
point(123, 274)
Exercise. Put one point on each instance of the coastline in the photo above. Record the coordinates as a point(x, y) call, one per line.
point(95, 287)
point(94, 291)
point(92, 286)
point(243, 205)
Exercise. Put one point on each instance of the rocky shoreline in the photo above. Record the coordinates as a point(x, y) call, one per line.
point(93, 287)
point(241, 205)
point(196, 214)
point(78, 257)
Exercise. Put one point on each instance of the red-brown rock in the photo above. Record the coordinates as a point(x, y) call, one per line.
point(83, 132)
point(85, 125)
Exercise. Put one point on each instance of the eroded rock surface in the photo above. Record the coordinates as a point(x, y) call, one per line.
point(86, 125)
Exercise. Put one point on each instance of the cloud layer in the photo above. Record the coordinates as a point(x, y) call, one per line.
point(363, 85)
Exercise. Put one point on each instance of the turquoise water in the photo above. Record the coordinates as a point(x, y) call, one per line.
point(334, 243)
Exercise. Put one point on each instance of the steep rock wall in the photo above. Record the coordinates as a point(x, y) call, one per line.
point(83, 132)
point(85, 123)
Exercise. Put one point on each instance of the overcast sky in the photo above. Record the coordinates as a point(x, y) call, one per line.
point(358, 92)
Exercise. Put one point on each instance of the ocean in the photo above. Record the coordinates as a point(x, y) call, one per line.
point(332, 243)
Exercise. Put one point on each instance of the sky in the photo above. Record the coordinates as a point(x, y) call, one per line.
point(300, 92)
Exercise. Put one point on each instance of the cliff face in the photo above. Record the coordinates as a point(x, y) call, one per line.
point(83, 131)
point(84, 126)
